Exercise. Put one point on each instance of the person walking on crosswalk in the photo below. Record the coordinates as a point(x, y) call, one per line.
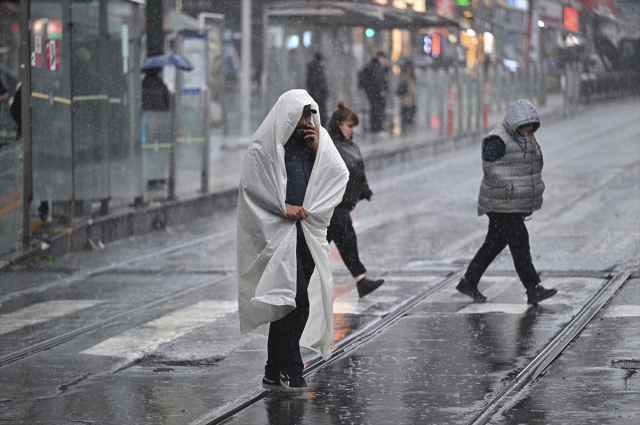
point(511, 190)
point(340, 230)
point(292, 179)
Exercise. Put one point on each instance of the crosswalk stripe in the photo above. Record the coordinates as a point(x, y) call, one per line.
point(494, 308)
point(357, 307)
point(622, 311)
point(149, 336)
point(42, 312)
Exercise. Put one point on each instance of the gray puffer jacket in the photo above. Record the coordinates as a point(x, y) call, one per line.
point(513, 183)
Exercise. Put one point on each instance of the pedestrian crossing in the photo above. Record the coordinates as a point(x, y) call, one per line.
point(622, 311)
point(505, 295)
point(495, 308)
point(149, 336)
point(42, 312)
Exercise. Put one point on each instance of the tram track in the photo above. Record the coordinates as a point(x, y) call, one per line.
point(512, 392)
point(341, 349)
point(503, 399)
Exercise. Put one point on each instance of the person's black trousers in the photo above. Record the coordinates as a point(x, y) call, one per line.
point(322, 109)
point(505, 229)
point(341, 231)
point(283, 347)
point(378, 106)
point(406, 115)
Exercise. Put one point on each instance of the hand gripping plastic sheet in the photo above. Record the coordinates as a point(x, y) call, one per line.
point(267, 237)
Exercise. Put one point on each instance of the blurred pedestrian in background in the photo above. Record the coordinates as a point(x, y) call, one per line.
point(407, 92)
point(16, 111)
point(4, 93)
point(317, 85)
point(373, 80)
point(155, 94)
point(340, 229)
point(511, 190)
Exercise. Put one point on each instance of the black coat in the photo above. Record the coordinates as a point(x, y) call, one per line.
point(357, 186)
point(155, 95)
point(317, 85)
point(373, 79)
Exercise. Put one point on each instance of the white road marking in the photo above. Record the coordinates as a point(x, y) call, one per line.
point(351, 303)
point(149, 336)
point(420, 278)
point(42, 312)
point(494, 308)
point(623, 311)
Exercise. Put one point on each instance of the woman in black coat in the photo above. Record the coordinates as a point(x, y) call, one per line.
point(340, 229)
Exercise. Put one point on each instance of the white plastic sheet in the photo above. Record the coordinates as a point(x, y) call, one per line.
point(267, 237)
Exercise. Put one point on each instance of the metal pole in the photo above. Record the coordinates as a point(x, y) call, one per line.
point(103, 29)
point(245, 81)
point(206, 148)
point(174, 137)
point(25, 73)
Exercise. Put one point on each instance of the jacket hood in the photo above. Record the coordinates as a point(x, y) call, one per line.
point(519, 113)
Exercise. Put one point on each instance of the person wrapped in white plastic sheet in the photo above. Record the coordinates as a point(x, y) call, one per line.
point(292, 179)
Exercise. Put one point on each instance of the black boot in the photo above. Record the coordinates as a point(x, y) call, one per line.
point(471, 291)
point(367, 286)
point(538, 293)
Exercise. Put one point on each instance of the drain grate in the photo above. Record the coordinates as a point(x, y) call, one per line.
point(626, 364)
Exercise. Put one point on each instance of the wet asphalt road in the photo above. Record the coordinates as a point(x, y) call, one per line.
point(168, 350)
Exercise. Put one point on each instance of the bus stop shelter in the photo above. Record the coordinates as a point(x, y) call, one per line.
point(335, 15)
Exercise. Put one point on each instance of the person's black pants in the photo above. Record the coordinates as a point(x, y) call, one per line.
point(378, 106)
point(341, 231)
point(505, 229)
point(406, 115)
point(283, 347)
point(322, 109)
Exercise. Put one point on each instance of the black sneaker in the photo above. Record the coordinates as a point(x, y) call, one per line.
point(538, 293)
point(471, 291)
point(271, 381)
point(367, 286)
point(285, 383)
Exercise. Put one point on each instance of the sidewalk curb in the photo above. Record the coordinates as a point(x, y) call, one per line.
point(124, 224)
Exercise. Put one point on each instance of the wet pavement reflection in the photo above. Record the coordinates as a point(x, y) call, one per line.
point(438, 364)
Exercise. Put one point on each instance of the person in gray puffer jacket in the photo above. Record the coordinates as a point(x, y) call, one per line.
point(511, 190)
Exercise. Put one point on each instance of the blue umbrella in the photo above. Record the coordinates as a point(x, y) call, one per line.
point(170, 59)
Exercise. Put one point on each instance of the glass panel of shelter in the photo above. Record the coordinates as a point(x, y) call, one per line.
point(52, 148)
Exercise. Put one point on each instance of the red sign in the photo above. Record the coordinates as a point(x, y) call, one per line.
point(436, 45)
point(605, 6)
point(38, 51)
point(446, 8)
point(571, 19)
point(52, 49)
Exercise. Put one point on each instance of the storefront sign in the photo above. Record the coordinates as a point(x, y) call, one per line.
point(38, 51)
point(52, 49)
point(602, 6)
point(571, 19)
point(446, 8)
